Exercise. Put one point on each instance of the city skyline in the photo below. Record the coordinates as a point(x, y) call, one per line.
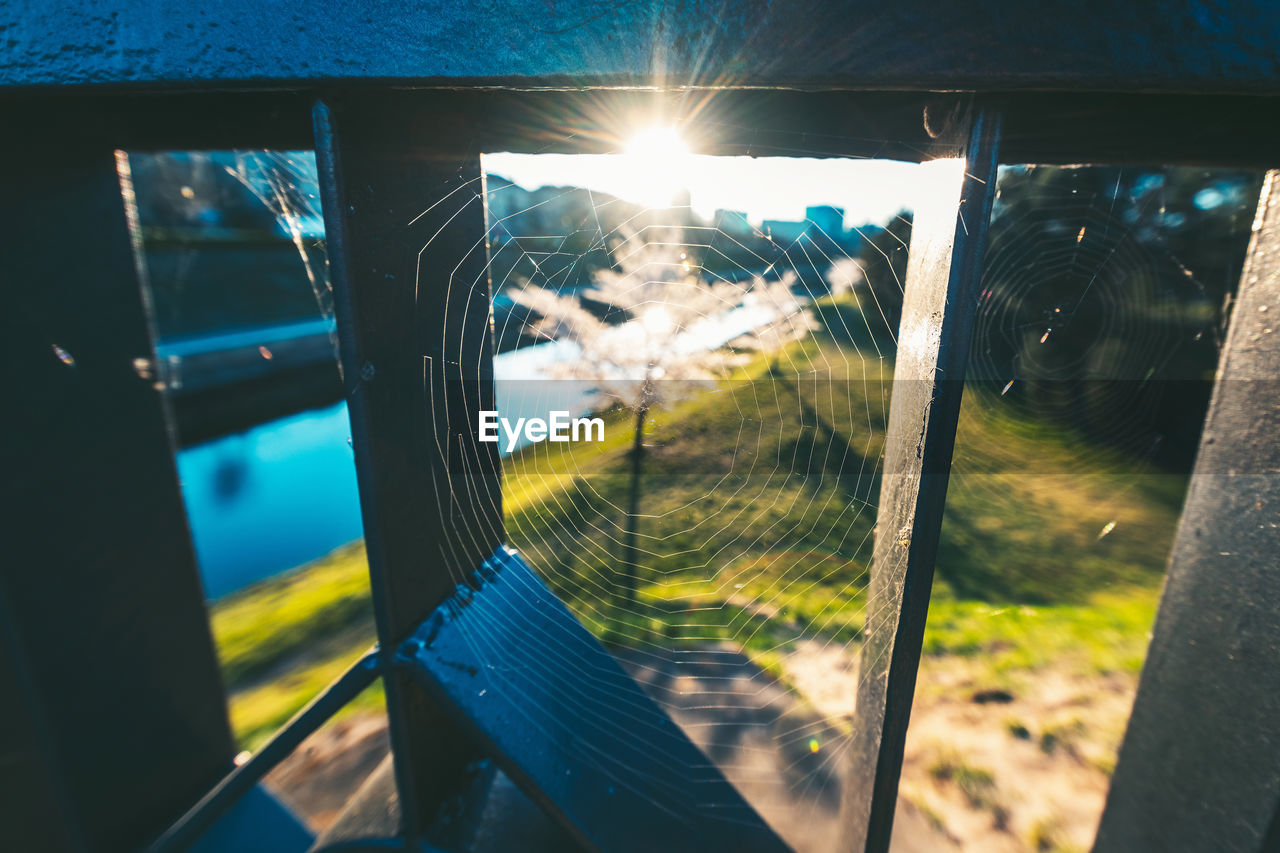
point(764, 188)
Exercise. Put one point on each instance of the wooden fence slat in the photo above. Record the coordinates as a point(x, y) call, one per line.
point(110, 664)
point(1199, 768)
point(948, 239)
point(407, 250)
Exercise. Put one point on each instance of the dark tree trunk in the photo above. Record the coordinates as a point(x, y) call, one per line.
point(630, 556)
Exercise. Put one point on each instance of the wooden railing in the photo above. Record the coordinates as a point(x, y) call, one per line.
point(101, 600)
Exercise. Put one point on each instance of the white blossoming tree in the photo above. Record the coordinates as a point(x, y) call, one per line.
point(666, 322)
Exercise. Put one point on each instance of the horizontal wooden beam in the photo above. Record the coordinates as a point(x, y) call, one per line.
point(1046, 128)
point(1217, 46)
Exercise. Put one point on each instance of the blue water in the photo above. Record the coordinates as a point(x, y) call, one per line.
point(270, 498)
point(284, 493)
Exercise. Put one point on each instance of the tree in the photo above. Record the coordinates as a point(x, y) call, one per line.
point(659, 320)
point(1103, 294)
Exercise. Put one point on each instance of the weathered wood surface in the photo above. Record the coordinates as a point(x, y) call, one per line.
point(409, 265)
point(1165, 45)
point(570, 727)
point(1199, 768)
point(115, 716)
point(948, 240)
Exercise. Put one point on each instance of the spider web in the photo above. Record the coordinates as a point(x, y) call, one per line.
point(719, 539)
point(725, 561)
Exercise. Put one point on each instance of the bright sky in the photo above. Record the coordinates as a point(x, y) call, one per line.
point(652, 173)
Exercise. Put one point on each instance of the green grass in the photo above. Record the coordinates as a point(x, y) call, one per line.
point(287, 615)
point(258, 709)
point(758, 507)
point(284, 639)
point(1103, 634)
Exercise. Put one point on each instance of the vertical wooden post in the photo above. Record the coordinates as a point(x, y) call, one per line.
point(948, 240)
point(405, 223)
point(115, 718)
point(1199, 768)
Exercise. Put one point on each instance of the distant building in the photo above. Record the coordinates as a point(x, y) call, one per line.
point(783, 230)
point(825, 219)
point(732, 222)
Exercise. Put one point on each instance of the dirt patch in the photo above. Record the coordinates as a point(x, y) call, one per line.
point(1023, 766)
point(329, 766)
point(1026, 771)
point(1048, 752)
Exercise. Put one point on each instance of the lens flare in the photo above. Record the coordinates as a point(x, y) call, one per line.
point(656, 165)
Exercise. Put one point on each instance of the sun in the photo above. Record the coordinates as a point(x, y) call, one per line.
point(655, 166)
point(657, 143)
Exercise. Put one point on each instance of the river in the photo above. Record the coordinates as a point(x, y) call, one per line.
point(284, 492)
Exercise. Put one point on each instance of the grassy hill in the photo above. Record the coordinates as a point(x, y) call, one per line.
point(758, 508)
